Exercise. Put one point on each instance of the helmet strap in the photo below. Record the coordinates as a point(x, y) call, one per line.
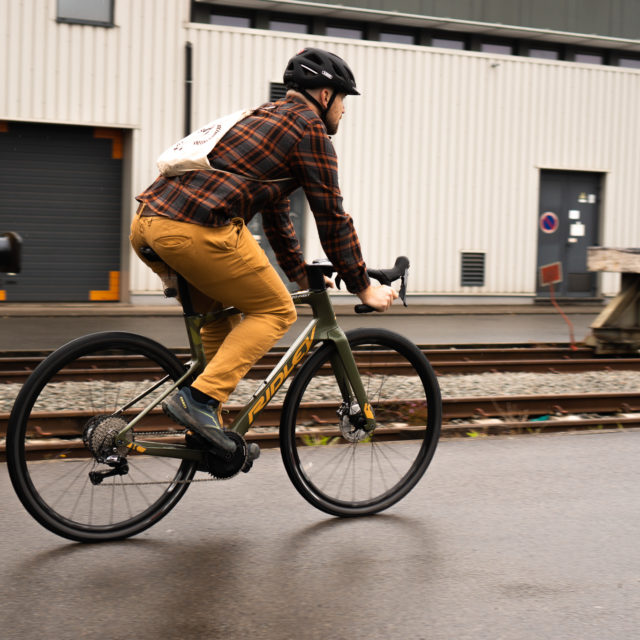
point(331, 99)
point(323, 111)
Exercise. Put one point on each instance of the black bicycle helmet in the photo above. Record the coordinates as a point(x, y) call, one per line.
point(314, 68)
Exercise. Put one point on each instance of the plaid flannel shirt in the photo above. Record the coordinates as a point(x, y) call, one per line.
point(284, 139)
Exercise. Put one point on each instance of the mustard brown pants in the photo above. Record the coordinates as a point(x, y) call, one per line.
point(224, 266)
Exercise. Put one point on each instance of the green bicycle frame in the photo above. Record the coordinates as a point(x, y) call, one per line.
point(322, 328)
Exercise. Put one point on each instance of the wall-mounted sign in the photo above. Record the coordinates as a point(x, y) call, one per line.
point(549, 222)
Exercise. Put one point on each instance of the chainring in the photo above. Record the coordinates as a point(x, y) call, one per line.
point(218, 464)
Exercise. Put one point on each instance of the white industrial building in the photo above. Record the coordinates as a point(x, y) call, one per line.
point(453, 157)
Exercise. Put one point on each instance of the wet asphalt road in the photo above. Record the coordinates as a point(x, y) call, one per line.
point(515, 538)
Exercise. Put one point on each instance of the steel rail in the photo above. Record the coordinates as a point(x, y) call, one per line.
point(74, 447)
point(67, 424)
point(444, 362)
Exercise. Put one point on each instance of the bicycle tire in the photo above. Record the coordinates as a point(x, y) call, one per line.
point(368, 475)
point(48, 461)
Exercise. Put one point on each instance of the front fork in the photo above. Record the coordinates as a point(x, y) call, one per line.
point(349, 380)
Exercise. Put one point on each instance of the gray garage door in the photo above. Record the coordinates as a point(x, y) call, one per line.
point(61, 190)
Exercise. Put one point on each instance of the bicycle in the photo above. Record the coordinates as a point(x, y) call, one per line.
point(358, 428)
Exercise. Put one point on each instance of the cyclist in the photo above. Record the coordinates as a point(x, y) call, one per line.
point(196, 223)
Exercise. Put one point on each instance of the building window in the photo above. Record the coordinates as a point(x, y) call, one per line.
point(397, 37)
point(589, 58)
point(94, 12)
point(344, 32)
point(288, 25)
point(631, 63)
point(492, 47)
point(549, 54)
point(448, 43)
point(231, 19)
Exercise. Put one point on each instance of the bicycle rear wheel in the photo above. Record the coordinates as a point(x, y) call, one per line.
point(52, 437)
point(345, 471)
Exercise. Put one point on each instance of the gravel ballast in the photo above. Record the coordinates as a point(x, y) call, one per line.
point(452, 386)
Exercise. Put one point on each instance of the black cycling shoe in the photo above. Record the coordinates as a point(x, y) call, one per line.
point(200, 417)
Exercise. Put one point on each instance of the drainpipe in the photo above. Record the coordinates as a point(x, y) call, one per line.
point(188, 83)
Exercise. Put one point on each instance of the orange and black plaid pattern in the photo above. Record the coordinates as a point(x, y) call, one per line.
point(283, 139)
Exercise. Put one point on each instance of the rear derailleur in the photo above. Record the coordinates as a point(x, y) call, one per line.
point(99, 436)
point(119, 467)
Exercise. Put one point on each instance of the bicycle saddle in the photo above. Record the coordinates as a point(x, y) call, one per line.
point(150, 255)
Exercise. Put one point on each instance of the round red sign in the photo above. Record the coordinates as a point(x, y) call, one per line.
point(549, 222)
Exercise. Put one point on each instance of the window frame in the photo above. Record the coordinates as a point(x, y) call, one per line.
point(347, 26)
point(232, 12)
point(572, 52)
point(526, 47)
point(411, 33)
point(478, 42)
point(288, 18)
point(447, 36)
point(87, 22)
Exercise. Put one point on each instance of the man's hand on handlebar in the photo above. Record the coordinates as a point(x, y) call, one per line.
point(379, 297)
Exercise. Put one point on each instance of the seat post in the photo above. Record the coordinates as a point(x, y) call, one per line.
point(185, 295)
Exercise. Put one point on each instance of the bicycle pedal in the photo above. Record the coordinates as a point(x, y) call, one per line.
point(253, 453)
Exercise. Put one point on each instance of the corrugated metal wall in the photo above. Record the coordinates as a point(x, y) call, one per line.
point(442, 152)
point(129, 76)
point(440, 155)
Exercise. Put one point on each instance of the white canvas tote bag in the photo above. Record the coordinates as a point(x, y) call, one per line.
point(190, 153)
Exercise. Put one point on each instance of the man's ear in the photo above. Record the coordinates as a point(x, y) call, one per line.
point(325, 96)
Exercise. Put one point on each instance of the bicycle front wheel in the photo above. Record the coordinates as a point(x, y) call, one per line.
point(65, 412)
point(339, 468)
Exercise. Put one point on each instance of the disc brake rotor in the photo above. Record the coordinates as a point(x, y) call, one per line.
point(350, 419)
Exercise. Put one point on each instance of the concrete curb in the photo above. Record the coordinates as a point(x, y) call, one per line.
point(127, 310)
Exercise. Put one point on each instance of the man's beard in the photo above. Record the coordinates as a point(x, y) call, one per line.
point(332, 127)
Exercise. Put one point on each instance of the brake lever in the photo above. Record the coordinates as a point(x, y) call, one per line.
point(402, 294)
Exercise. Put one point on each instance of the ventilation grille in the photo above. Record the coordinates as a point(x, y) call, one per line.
point(277, 91)
point(472, 269)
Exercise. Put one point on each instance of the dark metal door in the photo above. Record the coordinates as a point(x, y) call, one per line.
point(568, 223)
point(61, 190)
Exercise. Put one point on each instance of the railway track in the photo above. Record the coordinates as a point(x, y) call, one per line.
point(473, 415)
point(445, 361)
point(470, 416)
